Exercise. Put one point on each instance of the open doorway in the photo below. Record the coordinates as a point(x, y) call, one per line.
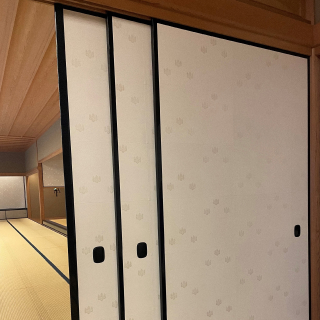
point(34, 271)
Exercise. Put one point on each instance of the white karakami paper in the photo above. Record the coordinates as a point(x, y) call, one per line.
point(134, 94)
point(234, 125)
point(89, 110)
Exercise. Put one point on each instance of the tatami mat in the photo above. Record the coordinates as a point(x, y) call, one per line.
point(29, 287)
point(52, 244)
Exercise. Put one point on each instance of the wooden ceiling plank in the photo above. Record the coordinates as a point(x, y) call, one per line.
point(7, 17)
point(32, 33)
point(50, 111)
point(42, 88)
point(50, 123)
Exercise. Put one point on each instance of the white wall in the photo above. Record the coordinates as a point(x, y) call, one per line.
point(50, 141)
point(12, 194)
point(53, 175)
point(30, 158)
point(12, 162)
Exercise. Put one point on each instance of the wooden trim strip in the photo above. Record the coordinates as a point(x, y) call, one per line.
point(51, 155)
point(5, 174)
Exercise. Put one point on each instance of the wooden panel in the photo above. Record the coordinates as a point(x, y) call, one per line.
point(33, 31)
point(315, 186)
point(295, 7)
point(229, 17)
point(7, 18)
point(43, 86)
point(309, 10)
point(316, 35)
point(49, 114)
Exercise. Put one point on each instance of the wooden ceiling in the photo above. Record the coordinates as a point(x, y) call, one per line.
point(29, 100)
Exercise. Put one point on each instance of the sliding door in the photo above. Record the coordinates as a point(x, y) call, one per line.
point(85, 111)
point(230, 198)
point(234, 130)
point(106, 94)
point(135, 119)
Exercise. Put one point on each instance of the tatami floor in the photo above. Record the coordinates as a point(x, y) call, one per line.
point(30, 288)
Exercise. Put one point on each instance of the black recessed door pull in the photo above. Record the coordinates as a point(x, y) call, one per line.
point(297, 231)
point(142, 250)
point(98, 254)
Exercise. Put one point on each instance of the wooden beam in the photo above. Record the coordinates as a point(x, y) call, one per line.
point(227, 17)
point(41, 193)
point(51, 155)
point(315, 185)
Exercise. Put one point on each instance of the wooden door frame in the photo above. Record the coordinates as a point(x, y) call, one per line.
point(314, 200)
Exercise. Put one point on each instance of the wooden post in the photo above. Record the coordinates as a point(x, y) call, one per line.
point(315, 184)
point(28, 197)
point(41, 193)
